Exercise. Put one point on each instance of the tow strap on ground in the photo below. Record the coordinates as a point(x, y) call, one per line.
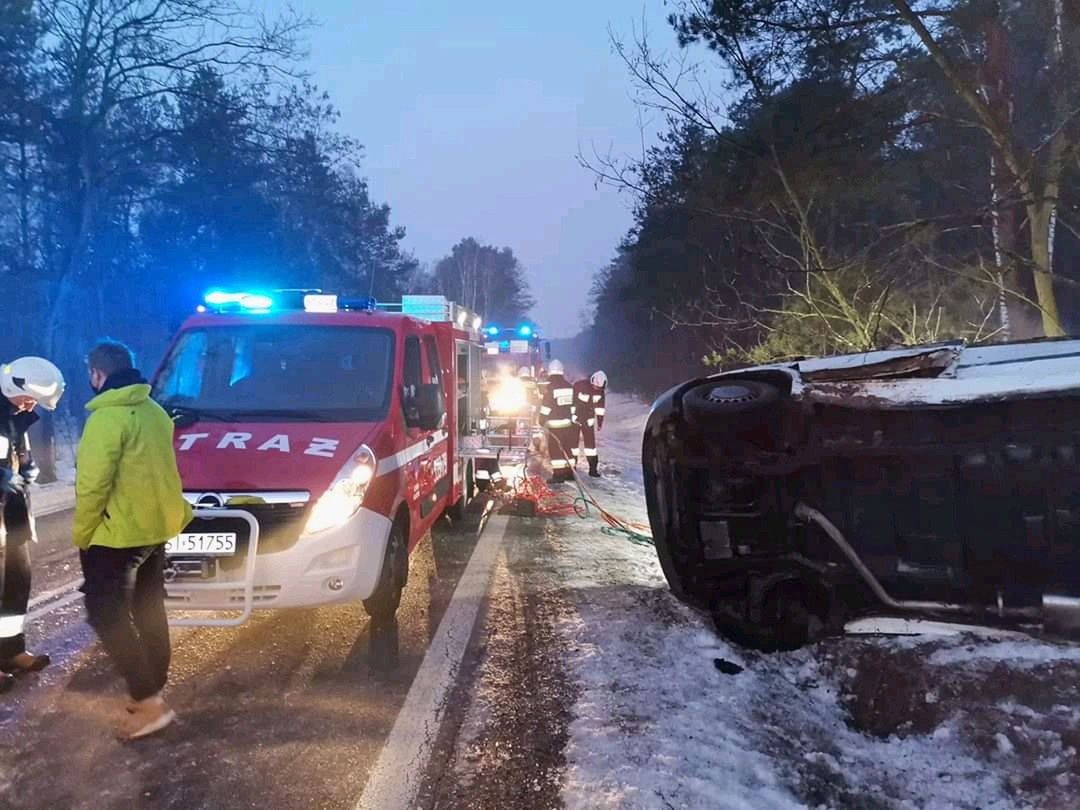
point(550, 503)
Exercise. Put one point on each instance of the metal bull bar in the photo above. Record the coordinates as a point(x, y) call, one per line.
point(248, 581)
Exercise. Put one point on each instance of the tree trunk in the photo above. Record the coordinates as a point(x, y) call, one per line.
point(1040, 217)
point(25, 248)
point(43, 446)
point(1020, 319)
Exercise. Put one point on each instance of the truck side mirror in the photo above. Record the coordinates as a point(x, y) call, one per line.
point(430, 406)
point(547, 349)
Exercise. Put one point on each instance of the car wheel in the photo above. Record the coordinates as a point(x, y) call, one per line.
point(659, 502)
point(722, 404)
point(383, 603)
point(790, 615)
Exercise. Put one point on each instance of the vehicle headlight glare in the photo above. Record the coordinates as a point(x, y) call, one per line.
point(344, 497)
point(508, 396)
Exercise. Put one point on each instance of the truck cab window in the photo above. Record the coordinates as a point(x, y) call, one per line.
point(413, 378)
point(432, 351)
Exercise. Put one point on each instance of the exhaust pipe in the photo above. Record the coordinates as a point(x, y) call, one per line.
point(810, 515)
point(1061, 614)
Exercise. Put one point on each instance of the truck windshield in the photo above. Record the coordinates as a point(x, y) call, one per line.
point(273, 372)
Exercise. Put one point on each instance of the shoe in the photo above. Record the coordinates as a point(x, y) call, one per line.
point(594, 474)
point(26, 662)
point(144, 718)
point(6, 682)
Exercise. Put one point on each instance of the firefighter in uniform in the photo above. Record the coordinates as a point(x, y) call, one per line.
point(590, 401)
point(24, 384)
point(557, 416)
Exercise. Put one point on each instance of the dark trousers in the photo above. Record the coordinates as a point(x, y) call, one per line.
point(592, 455)
point(125, 604)
point(561, 444)
point(16, 577)
point(15, 598)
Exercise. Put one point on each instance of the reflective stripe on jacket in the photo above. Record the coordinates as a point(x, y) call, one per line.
point(557, 406)
point(589, 404)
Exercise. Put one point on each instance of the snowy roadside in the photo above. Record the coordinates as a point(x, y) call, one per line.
point(869, 721)
point(48, 499)
point(59, 495)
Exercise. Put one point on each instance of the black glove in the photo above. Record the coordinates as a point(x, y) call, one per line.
point(29, 473)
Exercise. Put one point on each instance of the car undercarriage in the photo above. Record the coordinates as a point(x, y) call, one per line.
point(787, 500)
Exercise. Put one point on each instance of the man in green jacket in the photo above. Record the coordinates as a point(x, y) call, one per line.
point(128, 503)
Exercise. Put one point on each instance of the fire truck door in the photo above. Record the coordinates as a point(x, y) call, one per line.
point(415, 438)
point(436, 471)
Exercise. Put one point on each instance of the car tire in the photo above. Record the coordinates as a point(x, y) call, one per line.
point(722, 404)
point(792, 614)
point(384, 602)
point(659, 502)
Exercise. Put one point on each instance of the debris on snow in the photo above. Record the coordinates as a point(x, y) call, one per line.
point(1003, 744)
point(727, 667)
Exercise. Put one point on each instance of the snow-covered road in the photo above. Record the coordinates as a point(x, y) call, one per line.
point(646, 717)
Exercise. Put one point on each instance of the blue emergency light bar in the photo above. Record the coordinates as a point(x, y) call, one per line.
point(428, 307)
point(248, 301)
point(307, 300)
point(525, 330)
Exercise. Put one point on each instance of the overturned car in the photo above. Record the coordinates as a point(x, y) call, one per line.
point(938, 480)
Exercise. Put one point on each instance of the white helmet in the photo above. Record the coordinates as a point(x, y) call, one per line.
point(556, 367)
point(524, 372)
point(33, 377)
point(599, 379)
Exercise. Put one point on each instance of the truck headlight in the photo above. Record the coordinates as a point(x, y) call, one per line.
point(344, 497)
point(508, 396)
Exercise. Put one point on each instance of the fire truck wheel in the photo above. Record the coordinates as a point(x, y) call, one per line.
point(383, 604)
point(490, 466)
point(457, 510)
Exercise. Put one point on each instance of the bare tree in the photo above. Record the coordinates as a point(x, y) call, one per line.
point(1037, 169)
point(106, 60)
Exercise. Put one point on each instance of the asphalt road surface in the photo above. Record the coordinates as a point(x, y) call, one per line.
point(292, 710)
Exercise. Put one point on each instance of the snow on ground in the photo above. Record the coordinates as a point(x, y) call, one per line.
point(851, 722)
point(67, 444)
point(60, 494)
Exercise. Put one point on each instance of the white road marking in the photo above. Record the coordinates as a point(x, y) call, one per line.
point(396, 777)
point(49, 608)
point(42, 598)
point(60, 505)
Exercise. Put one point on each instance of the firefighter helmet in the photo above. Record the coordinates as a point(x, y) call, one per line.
point(33, 377)
point(556, 367)
point(599, 379)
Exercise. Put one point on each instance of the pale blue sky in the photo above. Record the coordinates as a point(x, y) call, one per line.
point(471, 114)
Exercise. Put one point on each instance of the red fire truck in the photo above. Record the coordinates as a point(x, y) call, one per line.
point(319, 438)
point(513, 361)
